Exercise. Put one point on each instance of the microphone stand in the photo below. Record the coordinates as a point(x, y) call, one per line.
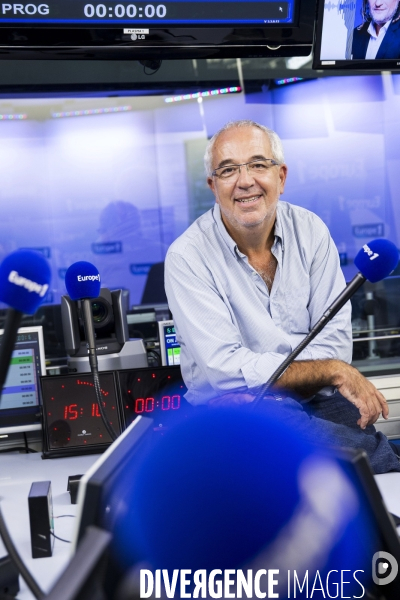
point(91, 343)
point(334, 308)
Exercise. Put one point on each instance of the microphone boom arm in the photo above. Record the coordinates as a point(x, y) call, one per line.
point(91, 342)
point(89, 330)
point(334, 308)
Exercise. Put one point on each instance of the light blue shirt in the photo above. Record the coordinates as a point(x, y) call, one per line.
point(233, 332)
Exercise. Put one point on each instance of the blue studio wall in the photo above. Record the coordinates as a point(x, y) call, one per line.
point(116, 189)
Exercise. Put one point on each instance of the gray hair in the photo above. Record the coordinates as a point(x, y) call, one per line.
point(274, 140)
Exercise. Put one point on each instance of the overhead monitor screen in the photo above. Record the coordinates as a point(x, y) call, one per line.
point(114, 12)
point(156, 29)
point(364, 34)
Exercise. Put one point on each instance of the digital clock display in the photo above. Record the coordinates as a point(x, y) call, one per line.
point(189, 12)
point(71, 413)
point(157, 393)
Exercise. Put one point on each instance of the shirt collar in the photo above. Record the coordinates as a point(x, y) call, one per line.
point(232, 245)
point(384, 28)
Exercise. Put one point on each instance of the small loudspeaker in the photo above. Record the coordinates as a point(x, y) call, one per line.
point(41, 519)
point(73, 486)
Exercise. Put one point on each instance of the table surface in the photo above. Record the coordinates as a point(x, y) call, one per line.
point(18, 471)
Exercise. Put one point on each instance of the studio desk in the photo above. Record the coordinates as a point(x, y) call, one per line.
point(18, 471)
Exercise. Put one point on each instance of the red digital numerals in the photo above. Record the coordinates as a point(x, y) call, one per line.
point(71, 411)
point(149, 404)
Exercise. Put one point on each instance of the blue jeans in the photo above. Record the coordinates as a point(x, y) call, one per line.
point(333, 421)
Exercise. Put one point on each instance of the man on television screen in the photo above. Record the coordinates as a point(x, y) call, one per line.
point(379, 34)
point(245, 284)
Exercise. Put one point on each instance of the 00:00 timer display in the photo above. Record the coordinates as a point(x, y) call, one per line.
point(120, 11)
point(149, 404)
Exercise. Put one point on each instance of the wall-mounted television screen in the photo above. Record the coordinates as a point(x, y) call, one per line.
point(361, 35)
point(164, 29)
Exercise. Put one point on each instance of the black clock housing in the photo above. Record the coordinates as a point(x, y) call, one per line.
point(72, 421)
point(153, 392)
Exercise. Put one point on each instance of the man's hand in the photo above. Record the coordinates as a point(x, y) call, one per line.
point(315, 374)
point(363, 394)
point(312, 375)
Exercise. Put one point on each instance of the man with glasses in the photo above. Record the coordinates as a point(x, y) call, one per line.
point(247, 281)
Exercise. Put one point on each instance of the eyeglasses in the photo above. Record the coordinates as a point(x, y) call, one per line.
point(254, 168)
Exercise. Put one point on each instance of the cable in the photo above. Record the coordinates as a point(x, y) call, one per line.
point(13, 449)
point(106, 422)
point(21, 449)
point(27, 449)
point(153, 64)
point(14, 555)
point(58, 538)
point(155, 355)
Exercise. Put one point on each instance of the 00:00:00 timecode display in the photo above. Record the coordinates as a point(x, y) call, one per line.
point(120, 11)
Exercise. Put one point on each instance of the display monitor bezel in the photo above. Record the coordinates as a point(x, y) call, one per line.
point(91, 485)
point(344, 64)
point(25, 419)
point(82, 15)
point(96, 486)
point(162, 325)
point(178, 41)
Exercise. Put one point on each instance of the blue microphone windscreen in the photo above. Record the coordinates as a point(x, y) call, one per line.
point(377, 259)
point(82, 280)
point(24, 280)
point(220, 487)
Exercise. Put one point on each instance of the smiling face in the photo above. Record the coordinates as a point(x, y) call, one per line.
point(382, 10)
point(247, 200)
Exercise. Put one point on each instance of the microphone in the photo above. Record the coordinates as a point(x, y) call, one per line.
point(249, 501)
point(24, 280)
point(82, 281)
point(375, 261)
